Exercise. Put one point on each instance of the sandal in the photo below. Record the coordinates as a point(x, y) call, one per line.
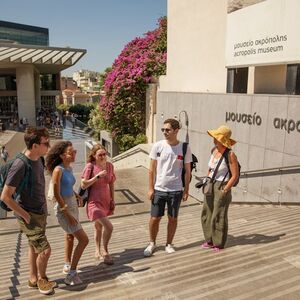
point(108, 260)
point(207, 245)
point(216, 249)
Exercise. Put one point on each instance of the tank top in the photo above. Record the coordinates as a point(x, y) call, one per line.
point(67, 182)
point(222, 171)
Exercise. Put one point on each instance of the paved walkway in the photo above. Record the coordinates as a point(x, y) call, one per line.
point(261, 260)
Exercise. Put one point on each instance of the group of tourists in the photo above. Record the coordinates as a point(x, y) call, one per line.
point(167, 186)
point(31, 207)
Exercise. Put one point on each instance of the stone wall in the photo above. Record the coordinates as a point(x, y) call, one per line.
point(267, 130)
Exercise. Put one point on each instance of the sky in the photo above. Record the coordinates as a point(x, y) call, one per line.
point(102, 27)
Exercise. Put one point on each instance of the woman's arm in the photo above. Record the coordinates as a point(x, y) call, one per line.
point(56, 177)
point(85, 183)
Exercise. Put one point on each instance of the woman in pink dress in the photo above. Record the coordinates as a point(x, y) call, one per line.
point(99, 176)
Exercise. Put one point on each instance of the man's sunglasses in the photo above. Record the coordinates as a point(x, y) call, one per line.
point(165, 129)
point(47, 144)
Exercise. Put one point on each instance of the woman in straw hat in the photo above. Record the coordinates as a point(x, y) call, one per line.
point(214, 216)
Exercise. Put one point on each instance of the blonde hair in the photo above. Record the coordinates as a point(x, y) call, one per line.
point(94, 150)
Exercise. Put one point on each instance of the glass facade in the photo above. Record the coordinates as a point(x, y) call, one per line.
point(24, 34)
point(8, 83)
point(48, 82)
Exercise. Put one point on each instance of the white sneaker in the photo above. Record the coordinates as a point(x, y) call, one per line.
point(66, 269)
point(150, 249)
point(73, 279)
point(170, 248)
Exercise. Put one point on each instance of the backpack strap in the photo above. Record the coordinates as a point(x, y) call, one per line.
point(184, 149)
point(226, 154)
point(27, 175)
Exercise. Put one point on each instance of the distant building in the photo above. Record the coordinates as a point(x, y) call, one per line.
point(72, 97)
point(83, 88)
point(68, 83)
point(30, 71)
point(87, 81)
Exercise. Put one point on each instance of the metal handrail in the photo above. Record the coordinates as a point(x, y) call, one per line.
point(266, 172)
point(271, 171)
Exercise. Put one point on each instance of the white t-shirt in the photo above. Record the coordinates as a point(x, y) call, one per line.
point(169, 165)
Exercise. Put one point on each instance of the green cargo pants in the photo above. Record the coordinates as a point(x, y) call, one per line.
point(214, 217)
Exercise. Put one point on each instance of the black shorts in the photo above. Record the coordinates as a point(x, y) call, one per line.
point(173, 200)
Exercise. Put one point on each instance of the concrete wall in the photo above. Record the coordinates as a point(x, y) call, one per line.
point(196, 46)
point(13, 141)
point(135, 157)
point(268, 135)
point(151, 112)
point(234, 5)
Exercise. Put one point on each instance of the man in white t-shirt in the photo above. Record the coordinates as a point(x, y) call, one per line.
point(165, 183)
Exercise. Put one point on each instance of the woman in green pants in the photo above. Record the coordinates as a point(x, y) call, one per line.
point(214, 217)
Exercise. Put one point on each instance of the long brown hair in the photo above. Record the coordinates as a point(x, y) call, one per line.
point(94, 150)
point(53, 158)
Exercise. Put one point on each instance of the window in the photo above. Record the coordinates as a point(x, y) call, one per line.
point(293, 79)
point(8, 83)
point(237, 80)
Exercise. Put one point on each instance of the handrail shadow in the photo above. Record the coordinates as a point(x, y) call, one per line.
point(129, 195)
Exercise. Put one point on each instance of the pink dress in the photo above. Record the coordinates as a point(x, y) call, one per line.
point(98, 205)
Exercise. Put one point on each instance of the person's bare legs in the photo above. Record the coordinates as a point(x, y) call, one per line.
point(106, 235)
point(33, 272)
point(42, 261)
point(97, 238)
point(69, 244)
point(172, 225)
point(83, 241)
point(154, 228)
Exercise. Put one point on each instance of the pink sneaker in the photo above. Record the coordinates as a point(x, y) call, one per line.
point(206, 245)
point(216, 249)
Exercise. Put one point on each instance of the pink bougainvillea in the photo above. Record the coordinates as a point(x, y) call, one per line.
point(123, 106)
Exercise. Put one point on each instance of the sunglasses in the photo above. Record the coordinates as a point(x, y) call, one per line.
point(71, 151)
point(102, 154)
point(47, 144)
point(165, 130)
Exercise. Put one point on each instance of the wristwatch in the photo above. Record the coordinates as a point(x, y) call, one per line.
point(98, 176)
point(64, 207)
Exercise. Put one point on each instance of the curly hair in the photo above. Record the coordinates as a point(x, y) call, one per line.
point(95, 148)
point(53, 158)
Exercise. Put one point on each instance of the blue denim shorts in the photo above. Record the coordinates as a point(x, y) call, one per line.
point(160, 199)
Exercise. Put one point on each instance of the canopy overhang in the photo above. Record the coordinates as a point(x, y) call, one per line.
point(45, 59)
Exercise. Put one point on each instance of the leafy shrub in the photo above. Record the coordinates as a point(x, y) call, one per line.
point(122, 109)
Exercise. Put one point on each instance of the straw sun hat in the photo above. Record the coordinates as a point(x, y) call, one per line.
point(222, 134)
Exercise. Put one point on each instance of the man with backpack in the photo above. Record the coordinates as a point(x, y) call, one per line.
point(165, 183)
point(31, 207)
